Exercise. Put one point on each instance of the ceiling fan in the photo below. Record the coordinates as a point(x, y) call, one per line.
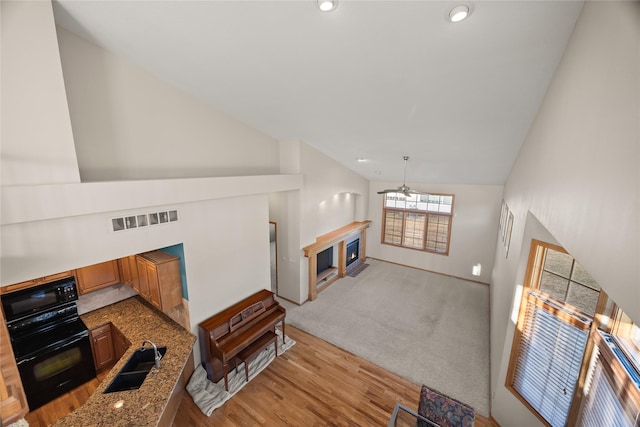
point(403, 188)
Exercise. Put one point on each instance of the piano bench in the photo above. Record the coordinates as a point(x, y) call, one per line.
point(256, 347)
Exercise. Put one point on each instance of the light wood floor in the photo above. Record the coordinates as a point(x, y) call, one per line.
point(58, 408)
point(312, 384)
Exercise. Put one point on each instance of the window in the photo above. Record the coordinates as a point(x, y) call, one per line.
point(612, 390)
point(556, 314)
point(418, 221)
point(564, 279)
point(627, 336)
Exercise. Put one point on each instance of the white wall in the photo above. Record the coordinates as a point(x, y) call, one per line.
point(577, 174)
point(474, 229)
point(333, 196)
point(128, 124)
point(37, 141)
point(322, 210)
point(284, 209)
point(226, 245)
point(224, 221)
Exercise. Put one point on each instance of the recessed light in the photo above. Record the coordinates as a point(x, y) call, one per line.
point(378, 172)
point(361, 159)
point(327, 5)
point(459, 13)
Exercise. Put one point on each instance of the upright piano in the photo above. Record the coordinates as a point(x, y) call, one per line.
point(224, 335)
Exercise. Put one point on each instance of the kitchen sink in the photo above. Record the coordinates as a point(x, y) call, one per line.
point(142, 360)
point(134, 372)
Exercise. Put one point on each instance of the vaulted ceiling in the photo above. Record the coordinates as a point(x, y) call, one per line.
point(372, 80)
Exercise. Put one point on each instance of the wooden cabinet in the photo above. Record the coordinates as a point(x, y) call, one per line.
point(102, 346)
point(108, 345)
point(159, 279)
point(97, 276)
point(129, 272)
point(35, 282)
point(13, 402)
point(143, 280)
point(120, 343)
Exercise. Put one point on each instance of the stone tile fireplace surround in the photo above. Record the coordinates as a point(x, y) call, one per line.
point(339, 237)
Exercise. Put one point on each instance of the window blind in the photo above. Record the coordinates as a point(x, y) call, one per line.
point(603, 404)
point(550, 353)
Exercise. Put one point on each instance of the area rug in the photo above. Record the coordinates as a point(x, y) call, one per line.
point(444, 410)
point(209, 396)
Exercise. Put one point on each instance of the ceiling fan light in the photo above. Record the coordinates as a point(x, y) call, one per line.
point(404, 188)
point(459, 13)
point(327, 5)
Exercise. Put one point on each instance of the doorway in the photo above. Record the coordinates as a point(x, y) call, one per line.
point(273, 247)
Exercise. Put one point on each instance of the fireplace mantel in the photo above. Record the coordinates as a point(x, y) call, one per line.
point(340, 236)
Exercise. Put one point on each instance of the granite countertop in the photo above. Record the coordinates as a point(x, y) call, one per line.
point(138, 321)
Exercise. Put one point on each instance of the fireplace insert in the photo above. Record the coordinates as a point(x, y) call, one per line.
point(353, 251)
point(324, 260)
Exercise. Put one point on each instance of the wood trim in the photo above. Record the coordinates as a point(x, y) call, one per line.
point(342, 261)
point(578, 395)
point(494, 421)
point(13, 401)
point(275, 231)
point(327, 240)
point(434, 272)
point(627, 393)
point(426, 224)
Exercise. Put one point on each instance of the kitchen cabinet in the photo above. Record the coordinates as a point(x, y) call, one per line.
point(13, 401)
point(104, 354)
point(97, 276)
point(143, 280)
point(159, 279)
point(35, 282)
point(108, 345)
point(120, 342)
point(129, 272)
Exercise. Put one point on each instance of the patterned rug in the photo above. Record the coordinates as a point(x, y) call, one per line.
point(444, 410)
point(210, 396)
point(356, 268)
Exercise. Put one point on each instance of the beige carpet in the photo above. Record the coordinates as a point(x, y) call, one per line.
point(428, 328)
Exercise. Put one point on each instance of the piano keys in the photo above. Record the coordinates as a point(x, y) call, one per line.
point(225, 334)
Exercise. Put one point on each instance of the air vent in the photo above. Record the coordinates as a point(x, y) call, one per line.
point(151, 219)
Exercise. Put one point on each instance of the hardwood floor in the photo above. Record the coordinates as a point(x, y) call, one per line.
point(58, 408)
point(312, 384)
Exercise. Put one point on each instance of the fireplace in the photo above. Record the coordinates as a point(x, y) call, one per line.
point(324, 260)
point(353, 251)
point(337, 239)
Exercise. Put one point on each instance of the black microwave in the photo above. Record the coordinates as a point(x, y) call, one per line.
point(40, 298)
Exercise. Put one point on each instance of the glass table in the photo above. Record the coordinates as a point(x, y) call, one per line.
point(404, 417)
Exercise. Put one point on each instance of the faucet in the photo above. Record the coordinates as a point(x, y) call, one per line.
point(156, 353)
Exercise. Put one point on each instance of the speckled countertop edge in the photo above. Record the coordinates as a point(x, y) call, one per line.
point(138, 321)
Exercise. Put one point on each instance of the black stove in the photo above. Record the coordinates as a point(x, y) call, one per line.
point(50, 342)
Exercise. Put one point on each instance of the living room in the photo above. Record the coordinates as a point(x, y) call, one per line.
point(107, 139)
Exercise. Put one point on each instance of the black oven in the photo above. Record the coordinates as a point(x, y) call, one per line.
point(50, 342)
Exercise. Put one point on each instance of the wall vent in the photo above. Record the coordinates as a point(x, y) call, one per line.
point(131, 222)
